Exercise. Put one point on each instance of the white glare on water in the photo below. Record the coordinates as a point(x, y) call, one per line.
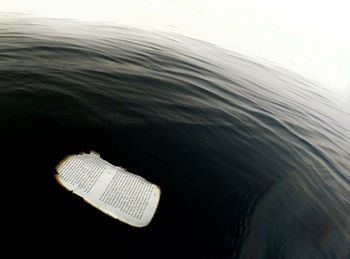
point(311, 37)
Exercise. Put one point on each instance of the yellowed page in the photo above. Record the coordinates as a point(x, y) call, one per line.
point(111, 189)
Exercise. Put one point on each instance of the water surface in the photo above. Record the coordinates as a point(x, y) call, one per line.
point(252, 159)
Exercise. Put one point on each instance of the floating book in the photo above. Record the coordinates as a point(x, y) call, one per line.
point(111, 189)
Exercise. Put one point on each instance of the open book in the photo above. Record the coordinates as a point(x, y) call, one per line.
point(111, 189)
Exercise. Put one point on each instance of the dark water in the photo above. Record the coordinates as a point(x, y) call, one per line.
point(253, 160)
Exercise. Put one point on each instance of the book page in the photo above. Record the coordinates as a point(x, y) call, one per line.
point(111, 189)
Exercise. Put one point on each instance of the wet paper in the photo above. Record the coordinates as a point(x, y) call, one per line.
point(111, 189)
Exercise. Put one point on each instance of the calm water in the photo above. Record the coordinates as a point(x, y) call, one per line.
point(253, 160)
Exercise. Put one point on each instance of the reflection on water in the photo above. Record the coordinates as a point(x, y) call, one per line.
point(253, 160)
